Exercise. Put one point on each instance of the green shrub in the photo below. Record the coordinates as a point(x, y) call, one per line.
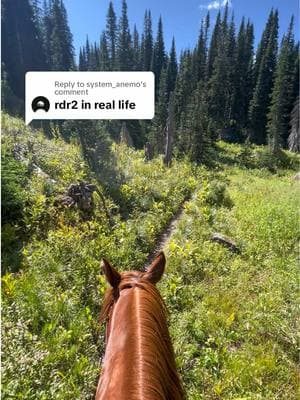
point(13, 188)
point(218, 195)
point(283, 160)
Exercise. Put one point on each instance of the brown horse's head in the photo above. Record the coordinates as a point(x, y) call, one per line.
point(126, 280)
point(139, 361)
point(152, 275)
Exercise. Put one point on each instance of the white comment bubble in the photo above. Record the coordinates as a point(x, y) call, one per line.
point(89, 95)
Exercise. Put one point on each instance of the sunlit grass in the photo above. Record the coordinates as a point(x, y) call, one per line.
point(232, 316)
point(237, 337)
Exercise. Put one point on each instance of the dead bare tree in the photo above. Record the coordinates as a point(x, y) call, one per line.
point(125, 135)
point(149, 151)
point(294, 138)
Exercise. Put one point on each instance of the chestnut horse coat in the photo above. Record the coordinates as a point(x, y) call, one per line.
point(139, 362)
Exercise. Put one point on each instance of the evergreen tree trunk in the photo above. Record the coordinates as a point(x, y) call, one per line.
point(169, 132)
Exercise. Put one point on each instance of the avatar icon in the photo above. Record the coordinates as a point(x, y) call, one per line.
point(40, 103)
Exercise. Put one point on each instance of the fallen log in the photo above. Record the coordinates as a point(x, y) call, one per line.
point(225, 241)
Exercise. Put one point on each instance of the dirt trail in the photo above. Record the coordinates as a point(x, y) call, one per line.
point(164, 237)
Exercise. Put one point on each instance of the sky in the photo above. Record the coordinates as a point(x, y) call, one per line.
point(181, 18)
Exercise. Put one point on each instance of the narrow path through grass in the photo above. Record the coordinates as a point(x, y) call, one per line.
point(164, 237)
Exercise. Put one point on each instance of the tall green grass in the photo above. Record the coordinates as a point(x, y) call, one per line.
point(232, 316)
point(51, 338)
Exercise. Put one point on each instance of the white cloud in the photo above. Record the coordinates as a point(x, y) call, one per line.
point(216, 5)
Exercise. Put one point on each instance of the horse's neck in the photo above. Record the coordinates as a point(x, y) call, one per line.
point(134, 367)
point(118, 367)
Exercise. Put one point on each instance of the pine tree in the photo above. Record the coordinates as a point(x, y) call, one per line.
point(161, 113)
point(104, 59)
point(82, 64)
point(172, 69)
point(295, 88)
point(225, 19)
point(231, 72)
point(198, 124)
point(91, 58)
point(61, 41)
point(200, 53)
point(87, 52)
point(183, 91)
point(262, 47)
point(93, 62)
point(282, 94)
point(243, 74)
point(159, 55)
point(221, 86)
point(38, 20)
point(111, 35)
point(9, 101)
point(147, 42)
point(124, 48)
point(217, 94)
point(47, 29)
point(136, 49)
point(22, 48)
point(36, 11)
point(214, 45)
point(261, 96)
point(169, 132)
point(97, 55)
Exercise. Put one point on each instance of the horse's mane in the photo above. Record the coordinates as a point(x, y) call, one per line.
point(157, 361)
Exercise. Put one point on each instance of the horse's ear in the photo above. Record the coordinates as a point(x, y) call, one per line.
point(156, 269)
point(112, 275)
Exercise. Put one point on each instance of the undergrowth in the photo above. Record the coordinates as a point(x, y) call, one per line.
point(232, 316)
point(52, 296)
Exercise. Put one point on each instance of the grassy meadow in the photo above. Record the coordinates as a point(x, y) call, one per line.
point(232, 316)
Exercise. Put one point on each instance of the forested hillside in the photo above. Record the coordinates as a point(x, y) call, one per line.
point(223, 88)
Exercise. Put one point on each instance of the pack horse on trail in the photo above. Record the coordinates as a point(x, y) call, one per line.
point(139, 361)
